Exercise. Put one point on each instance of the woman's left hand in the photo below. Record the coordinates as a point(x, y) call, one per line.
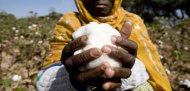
point(125, 54)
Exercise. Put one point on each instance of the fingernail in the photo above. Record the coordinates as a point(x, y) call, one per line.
point(106, 86)
point(95, 52)
point(106, 49)
point(119, 39)
point(84, 38)
point(109, 72)
point(105, 65)
point(113, 39)
point(129, 22)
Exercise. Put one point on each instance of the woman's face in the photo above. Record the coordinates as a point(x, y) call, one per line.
point(99, 7)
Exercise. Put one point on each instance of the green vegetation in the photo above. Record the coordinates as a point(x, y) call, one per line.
point(23, 45)
point(148, 9)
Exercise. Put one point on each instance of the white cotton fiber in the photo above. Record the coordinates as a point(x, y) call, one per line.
point(98, 36)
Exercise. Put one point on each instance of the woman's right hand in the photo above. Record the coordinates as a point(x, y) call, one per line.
point(72, 63)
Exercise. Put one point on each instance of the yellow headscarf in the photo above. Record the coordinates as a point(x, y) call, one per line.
point(117, 16)
point(147, 51)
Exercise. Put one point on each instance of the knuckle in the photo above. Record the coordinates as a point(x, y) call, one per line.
point(79, 43)
point(121, 55)
point(116, 52)
point(133, 44)
point(123, 73)
point(80, 78)
point(120, 40)
point(66, 49)
point(127, 74)
point(73, 45)
point(68, 63)
point(82, 57)
point(67, 52)
point(131, 60)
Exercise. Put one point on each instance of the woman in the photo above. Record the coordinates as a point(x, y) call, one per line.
point(133, 32)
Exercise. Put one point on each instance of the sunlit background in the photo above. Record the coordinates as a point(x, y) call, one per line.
point(21, 8)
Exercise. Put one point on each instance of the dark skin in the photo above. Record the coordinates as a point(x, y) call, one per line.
point(99, 7)
point(126, 55)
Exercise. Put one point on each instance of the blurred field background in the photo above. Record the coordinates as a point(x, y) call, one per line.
point(24, 44)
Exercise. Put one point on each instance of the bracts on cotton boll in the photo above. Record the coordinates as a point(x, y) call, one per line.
point(98, 36)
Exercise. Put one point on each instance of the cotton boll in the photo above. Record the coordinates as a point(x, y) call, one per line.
point(98, 36)
point(79, 32)
point(16, 78)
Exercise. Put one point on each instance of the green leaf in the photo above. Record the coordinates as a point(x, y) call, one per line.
point(19, 89)
point(7, 83)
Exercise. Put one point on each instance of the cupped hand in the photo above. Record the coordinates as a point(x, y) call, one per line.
point(125, 53)
point(72, 63)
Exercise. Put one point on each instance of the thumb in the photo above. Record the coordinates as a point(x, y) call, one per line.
point(126, 29)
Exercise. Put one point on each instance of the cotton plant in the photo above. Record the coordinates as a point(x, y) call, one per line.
point(100, 35)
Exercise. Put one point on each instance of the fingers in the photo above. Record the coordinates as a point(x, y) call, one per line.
point(126, 30)
point(127, 60)
point(109, 86)
point(114, 82)
point(92, 73)
point(71, 47)
point(123, 56)
point(75, 61)
point(121, 73)
point(126, 44)
point(123, 41)
point(118, 73)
